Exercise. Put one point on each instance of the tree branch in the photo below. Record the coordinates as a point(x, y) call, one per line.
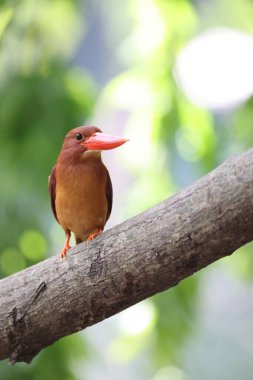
point(138, 258)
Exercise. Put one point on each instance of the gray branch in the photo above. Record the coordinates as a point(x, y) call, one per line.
point(138, 258)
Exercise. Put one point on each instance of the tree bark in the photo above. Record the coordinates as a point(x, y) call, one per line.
point(138, 258)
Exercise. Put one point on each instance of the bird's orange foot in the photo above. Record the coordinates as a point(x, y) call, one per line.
point(66, 246)
point(95, 234)
point(64, 251)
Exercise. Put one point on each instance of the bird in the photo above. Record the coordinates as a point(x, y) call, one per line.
point(80, 186)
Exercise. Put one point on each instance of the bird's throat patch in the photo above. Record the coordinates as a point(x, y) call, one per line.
point(91, 154)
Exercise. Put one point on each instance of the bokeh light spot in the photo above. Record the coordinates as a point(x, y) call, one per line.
point(12, 261)
point(137, 319)
point(215, 69)
point(169, 373)
point(33, 245)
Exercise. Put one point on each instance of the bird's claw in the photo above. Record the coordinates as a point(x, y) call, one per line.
point(64, 252)
point(95, 234)
point(66, 247)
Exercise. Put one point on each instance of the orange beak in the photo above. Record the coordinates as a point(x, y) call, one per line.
point(102, 141)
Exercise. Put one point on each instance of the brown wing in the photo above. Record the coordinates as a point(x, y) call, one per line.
point(109, 195)
point(52, 190)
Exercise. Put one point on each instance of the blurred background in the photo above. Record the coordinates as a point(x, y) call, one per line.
point(176, 77)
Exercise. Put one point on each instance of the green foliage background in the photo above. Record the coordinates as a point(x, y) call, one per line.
point(44, 93)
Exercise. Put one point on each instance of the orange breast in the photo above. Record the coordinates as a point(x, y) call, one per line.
point(81, 203)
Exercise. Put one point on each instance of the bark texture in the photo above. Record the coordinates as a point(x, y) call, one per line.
point(138, 258)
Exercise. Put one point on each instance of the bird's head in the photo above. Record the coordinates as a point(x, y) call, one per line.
point(83, 139)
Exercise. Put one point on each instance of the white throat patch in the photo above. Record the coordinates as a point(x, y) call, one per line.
point(91, 153)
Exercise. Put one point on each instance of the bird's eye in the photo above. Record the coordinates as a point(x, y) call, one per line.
point(79, 136)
